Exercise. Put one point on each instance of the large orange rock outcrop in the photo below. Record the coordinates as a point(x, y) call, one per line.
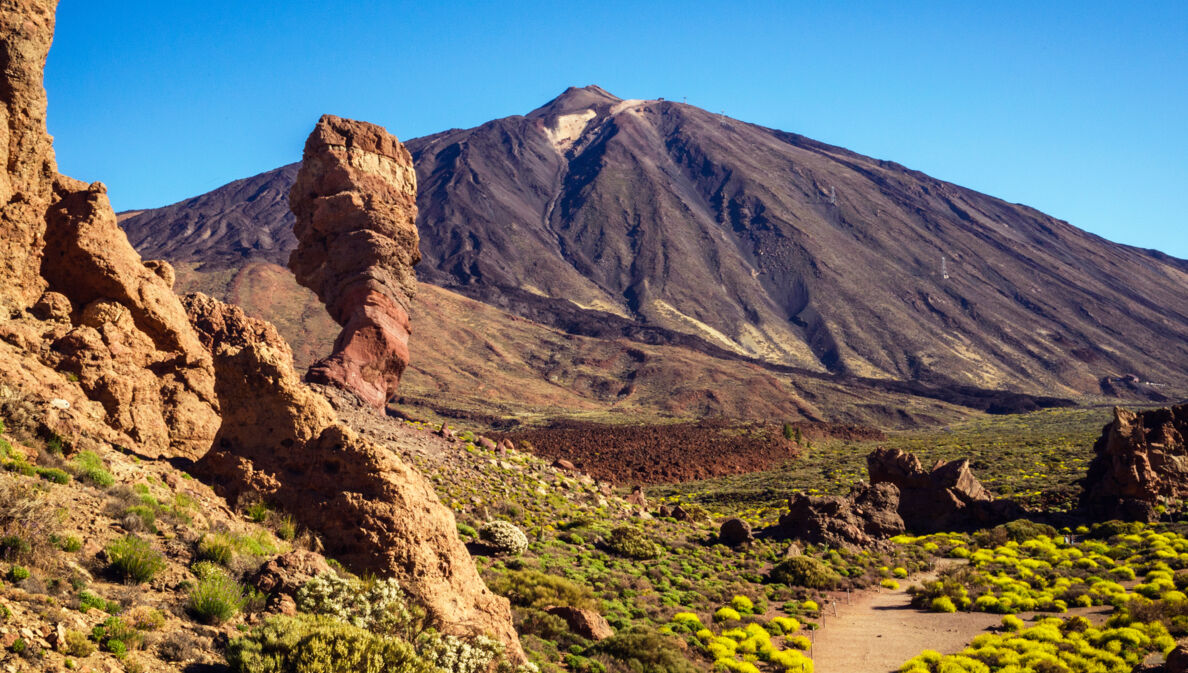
point(282, 441)
point(71, 280)
point(355, 202)
point(1141, 461)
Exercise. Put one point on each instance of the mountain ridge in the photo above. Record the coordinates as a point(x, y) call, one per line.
point(760, 242)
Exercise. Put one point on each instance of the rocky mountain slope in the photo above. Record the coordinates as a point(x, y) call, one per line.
point(662, 222)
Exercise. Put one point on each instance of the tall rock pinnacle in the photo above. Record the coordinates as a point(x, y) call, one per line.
point(355, 202)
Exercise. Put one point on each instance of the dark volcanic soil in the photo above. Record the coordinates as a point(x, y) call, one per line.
point(653, 454)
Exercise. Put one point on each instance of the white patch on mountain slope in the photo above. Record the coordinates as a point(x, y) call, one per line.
point(567, 129)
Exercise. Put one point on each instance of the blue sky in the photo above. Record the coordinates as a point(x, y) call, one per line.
point(1076, 108)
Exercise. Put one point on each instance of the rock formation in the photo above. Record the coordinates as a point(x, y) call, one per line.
point(282, 441)
point(947, 497)
point(869, 514)
point(1141, 460)
point(355, 203)
point(113, 323)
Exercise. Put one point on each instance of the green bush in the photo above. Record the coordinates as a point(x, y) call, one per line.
point(643, 650)
point(633, 543)
point(258, 511)
point(88, 600)
point(77, 644)
point(53, 474)
point(68, 543)
point(534, 589)
point(216, 547)
point(287, 528)
point(90, 467)
point(216, 598)
point(134, 559)
point(116, 636)
point(804, 571)
point(17, 574)
point(320, 644)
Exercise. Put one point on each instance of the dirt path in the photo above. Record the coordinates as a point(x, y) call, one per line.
point(878, 631)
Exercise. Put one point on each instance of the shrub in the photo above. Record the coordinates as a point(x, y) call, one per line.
point(742, 604)
point(458, 655)
point(134, 559)
point(17, 574)
point(1012, 623)
point(804, 571)
point(216, 598)
point(321, 644)
point(534, 589)
point(943, 604)
point(54, 474)
point(900, 572)
point(287, 528)
point(378, 605)
point(725, 614)
point(77, 644)
point(503, 538)
point(90, 467)
point(116, 636)
point(216, 547)
point(889, 584)
point(633, 543)
point(69, 543)
point(810, 606)
point(466, 532)
point(258, 511)
point(643, 650)
point(88, 600)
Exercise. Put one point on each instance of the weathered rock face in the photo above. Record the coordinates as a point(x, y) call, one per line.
point(26, 186)
point(869, 514)
point(113, 323)
point(1141, 460)
point(947, 497)
point(355, 203)
point(282, 441)
point(132, 346)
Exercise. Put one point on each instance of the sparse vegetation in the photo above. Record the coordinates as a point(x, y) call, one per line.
point(134, 558)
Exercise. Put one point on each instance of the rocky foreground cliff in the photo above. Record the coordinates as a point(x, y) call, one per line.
point(101, 353)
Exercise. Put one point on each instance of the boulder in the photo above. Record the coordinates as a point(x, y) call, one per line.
point(562, 464)
point(1140, 461)
point(637, 498)
point(355, 203)
point(1177, 659)
point(281, 441)
point(735, 532)
point(585, 623)
point(868, 515)
point(289, 572)
point(947, 497)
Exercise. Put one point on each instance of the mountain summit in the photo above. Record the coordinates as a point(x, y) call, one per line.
point(663, 222)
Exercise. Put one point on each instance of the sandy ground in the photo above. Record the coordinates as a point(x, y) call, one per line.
point(878, 631)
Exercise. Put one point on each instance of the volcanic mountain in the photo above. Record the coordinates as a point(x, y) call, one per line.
point(662, 223)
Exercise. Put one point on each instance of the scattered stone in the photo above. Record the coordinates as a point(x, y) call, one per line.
point(679, 513)
point(562, 464)
point(486, 443)
point(735, 532)
point(585, 623)
point(445, 432)
point(59, 403)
